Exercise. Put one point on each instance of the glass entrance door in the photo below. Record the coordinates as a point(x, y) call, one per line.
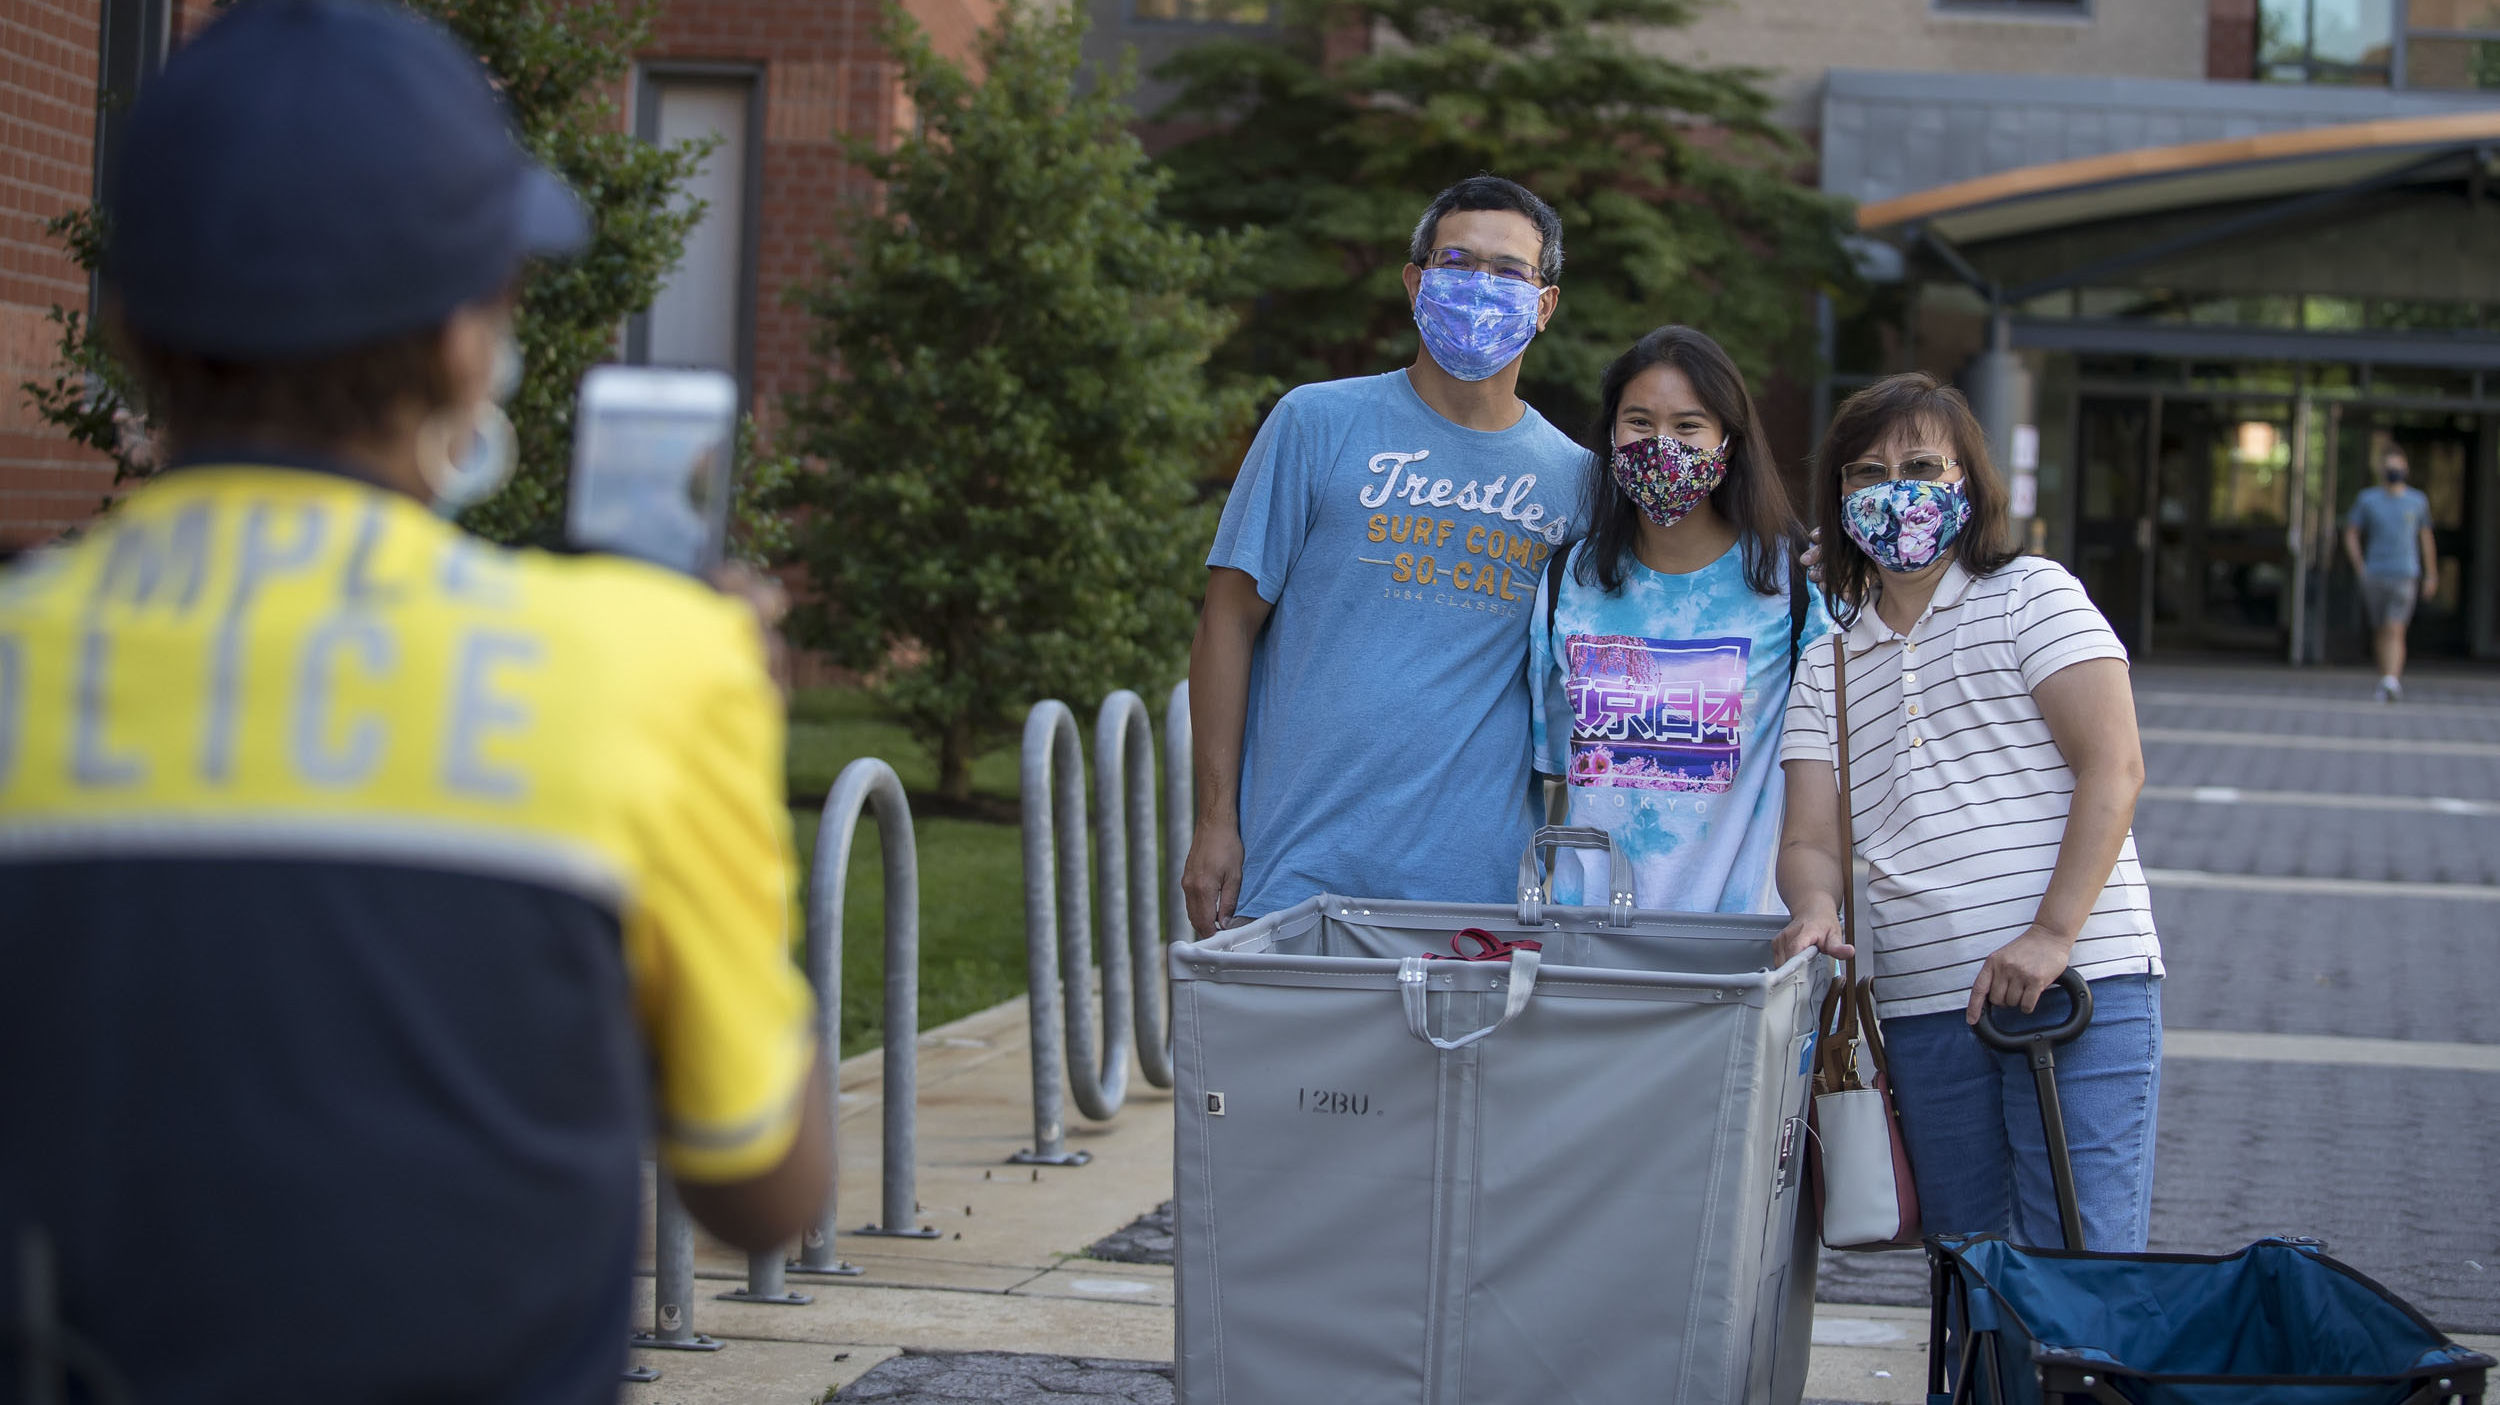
point(2182, 520)
point(2223, 551)
point(2113, 518)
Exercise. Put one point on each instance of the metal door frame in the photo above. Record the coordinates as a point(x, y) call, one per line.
point(2296, 404)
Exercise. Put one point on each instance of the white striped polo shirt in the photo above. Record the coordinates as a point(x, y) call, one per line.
point(1961, 794)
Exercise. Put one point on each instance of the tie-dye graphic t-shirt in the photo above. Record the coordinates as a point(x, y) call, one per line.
point(1660, 703)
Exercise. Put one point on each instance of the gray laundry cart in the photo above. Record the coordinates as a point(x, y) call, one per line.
point(1569, 1178)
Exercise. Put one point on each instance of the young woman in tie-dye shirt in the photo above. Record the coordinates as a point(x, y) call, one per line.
point(1662, 644)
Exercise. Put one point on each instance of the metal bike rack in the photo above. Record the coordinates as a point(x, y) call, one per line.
point(672, 1284)
point(868, 786)
point(1154, 1011)
point(1058, 907)
point(1059, 946)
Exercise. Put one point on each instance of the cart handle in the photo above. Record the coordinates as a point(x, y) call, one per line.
point(1411, 979)
point(1536, 886)
point(2041, 1045)
point(2078, 994)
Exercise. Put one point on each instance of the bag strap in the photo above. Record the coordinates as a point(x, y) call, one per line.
point(1848, 1007)
point(1848, 802)
point(1848, 818)
point(1553, 588)
point(1796, 614)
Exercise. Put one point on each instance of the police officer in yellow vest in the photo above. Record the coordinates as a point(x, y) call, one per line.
point(369, 893)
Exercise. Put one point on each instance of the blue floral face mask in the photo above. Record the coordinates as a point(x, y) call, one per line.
point(1474, 324)
point(1904, 525)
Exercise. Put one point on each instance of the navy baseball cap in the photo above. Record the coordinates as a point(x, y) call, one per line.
point(313, 175)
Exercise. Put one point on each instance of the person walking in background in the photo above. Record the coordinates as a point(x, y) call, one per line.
point(1994, 771)
point(1663, 645)
point(2387, 536)
point(368, 888)
point(1357, 690)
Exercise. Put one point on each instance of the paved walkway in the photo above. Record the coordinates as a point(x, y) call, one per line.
point(2326, 901)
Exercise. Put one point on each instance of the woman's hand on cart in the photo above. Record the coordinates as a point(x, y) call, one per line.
point(2019, 970)
point(1815, 928)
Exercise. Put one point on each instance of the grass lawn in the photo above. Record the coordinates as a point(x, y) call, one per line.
point(831, 727)
point(971, 869)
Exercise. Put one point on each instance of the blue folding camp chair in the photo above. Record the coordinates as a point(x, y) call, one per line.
point(2279, 1321)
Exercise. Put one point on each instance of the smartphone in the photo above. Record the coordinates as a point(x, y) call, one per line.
point(652, 450)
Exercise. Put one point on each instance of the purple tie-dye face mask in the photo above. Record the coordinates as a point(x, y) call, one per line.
point(1474, 324)
point(1667, 478)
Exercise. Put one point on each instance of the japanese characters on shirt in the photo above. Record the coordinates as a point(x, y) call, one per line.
point(1656, 714)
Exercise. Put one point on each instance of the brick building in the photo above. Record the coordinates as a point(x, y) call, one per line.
point(51, 60)
point(776, 80)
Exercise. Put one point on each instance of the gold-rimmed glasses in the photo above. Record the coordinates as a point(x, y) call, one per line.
point(1921, 468)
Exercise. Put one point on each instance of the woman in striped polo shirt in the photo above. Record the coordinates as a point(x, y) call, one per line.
point(1994, 768)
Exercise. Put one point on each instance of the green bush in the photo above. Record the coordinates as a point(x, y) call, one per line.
point(1675, 187)
point(1013, 416)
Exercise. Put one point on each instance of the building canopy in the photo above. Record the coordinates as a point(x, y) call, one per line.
point(2381, 227)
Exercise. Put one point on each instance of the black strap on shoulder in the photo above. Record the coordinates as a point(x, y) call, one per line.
point(1796, 614)
point(1553, 587)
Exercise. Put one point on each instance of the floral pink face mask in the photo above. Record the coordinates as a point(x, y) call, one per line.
point(1667, 478)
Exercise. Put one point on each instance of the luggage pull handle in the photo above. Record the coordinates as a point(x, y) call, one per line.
point(2041, 1045)
point(1536, 884)
point(1412, 978)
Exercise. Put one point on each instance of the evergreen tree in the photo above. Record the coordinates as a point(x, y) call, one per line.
point(1013, 413)
point(557, 62)
point(1674, 185)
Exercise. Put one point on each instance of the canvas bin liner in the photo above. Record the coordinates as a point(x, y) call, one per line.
point(1570, 1178)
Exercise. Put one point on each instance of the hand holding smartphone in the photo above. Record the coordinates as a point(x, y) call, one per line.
point(652, 468)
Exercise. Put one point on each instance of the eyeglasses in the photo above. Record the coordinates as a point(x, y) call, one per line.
point(1925, 468)
point(1463, 261)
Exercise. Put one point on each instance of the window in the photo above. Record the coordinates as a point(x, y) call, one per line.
point(1243, 12)
point(131, 39)
point(2452, 44)
point(2326, 41)
point(704, 313)
point(130, 47)
point(2018, 9)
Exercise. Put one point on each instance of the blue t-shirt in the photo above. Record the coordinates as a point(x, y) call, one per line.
point(1388, 691)
point(1662, 707)
point(2391, 530)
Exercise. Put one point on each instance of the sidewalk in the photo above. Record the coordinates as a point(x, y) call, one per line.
point(1005, 1276)
point(2313, 1083)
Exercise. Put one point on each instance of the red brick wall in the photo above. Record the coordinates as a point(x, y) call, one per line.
point(47, 135)
point(2231, 39)
point(823, 75)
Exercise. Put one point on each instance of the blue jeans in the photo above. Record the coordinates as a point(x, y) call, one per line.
point(1971, 1119)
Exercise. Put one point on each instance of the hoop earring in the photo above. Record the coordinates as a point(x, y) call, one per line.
point(461, 483)
point(435, 434)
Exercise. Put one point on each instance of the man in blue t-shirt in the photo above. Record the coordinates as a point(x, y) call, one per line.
point(1357, 690)
point(2388, 537)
